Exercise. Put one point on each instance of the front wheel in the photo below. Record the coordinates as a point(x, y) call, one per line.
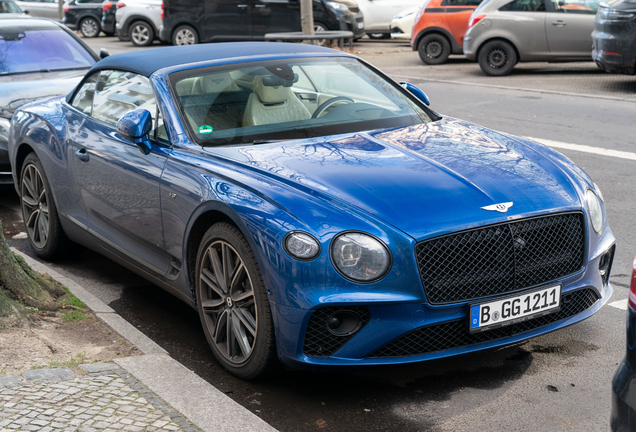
point(90, 27)
point(39, 212)
point(185, 35)
point(497, 58)
point(434, 49)
point(141, 33)
point(233, 304)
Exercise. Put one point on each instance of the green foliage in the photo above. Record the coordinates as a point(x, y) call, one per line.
point(73, 315)
point(77, 359)
point(72, 300)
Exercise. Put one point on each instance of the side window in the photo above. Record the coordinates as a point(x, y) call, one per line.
point(524, 6)
point(460, 2)
point(576, 6)
point(83, 99)
point(160, 133)
point(118, 92)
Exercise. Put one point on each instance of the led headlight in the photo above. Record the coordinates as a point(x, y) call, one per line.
point(337, 7)
point(301, 246)
point(595, 210)
point(360, 257)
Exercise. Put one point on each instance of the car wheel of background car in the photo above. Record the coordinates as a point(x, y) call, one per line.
point(319, 28)
point(185, 35)
point(379, 35)
point(90, 27)
point(497, 58)
point(39, 212)
point(434, 49)
point(141, 33)
point(233, 304)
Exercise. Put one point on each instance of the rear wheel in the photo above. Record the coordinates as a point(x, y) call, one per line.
point(141, 33)
point(497, 58)
point(39, 212)
point(90, 27)
point(233, 304)
point(185, 35)
point(434, 49)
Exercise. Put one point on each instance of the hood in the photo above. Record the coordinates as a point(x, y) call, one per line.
point(424, 179)
point(19, 89)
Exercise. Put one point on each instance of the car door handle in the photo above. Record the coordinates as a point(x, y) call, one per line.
point(82, 155)
point(558, 23)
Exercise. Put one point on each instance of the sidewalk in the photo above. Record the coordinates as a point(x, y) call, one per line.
point(151, 392)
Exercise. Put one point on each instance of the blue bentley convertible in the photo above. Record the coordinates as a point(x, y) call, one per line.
point(313, 210)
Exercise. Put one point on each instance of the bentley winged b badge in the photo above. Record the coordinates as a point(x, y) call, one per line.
point(501, 208)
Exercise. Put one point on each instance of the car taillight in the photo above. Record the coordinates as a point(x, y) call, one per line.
point(66, 8)
point(121, 5)
point(162, 11)
point(475, 20)
point(632, 288)
point(107, 6)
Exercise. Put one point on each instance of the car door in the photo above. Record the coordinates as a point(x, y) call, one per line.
point(457, 15)
point(524, 22)
point(118, 184)
point(227, 20)
point(569, 27)
point(274, 16)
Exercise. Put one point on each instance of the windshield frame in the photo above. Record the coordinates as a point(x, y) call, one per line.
point(297, 133)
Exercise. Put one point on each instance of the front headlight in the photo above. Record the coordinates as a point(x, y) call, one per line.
point(360, 257)
point(595, 210)
point(301, 246)
point(337, 7)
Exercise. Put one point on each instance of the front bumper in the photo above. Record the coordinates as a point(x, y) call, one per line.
point(409, 332)
point(613, 61)
point(470, 48)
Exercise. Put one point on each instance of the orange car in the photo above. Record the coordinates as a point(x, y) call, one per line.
point(440, 27)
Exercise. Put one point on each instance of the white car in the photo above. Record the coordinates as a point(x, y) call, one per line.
point(379, 13)
point(41, 8)
point(402, 23)
point(139, 21)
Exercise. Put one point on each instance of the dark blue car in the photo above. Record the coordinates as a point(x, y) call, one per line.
point(312, 209)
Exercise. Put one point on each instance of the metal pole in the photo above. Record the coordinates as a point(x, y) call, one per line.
point(60, 9)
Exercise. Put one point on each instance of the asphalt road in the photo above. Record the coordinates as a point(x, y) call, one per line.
point(559, 381)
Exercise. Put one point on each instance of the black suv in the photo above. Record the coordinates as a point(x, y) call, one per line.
point(192, 21)
point(614, 37)
point(85, 15)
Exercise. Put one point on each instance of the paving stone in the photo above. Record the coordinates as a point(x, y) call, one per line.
point(48, 374)
point(9, 380)
point(99, 367)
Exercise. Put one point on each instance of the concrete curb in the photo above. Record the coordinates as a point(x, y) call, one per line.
point(200, 402)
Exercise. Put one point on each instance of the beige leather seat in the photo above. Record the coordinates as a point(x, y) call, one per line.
point(268, 105)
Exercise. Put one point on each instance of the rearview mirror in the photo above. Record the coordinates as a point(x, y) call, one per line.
point(135, 126)
point(415, 91)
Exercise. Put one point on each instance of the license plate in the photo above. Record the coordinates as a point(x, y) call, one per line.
point(360, 25)
point(510, 310)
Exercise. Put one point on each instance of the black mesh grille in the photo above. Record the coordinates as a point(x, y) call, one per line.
point(454, 334)
point(501, 258)
point(319, 341)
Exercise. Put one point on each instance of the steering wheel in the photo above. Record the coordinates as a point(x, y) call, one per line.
point(326, 104)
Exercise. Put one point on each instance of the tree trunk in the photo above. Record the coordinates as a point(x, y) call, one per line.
point(307, 17)
point(20, 285)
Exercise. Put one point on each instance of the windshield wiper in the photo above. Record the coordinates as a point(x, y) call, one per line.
point(264, 141)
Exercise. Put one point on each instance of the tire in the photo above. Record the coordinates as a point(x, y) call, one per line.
point(39, 212)
point(185, 35)
point(245, 306)
point(89, 27)
point(379, 35)
point(497, 58)
point(319, 28)
point(434, 49)
point(141, 33)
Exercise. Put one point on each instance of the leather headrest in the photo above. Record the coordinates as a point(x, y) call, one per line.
point(216, 83)
point(270, 95)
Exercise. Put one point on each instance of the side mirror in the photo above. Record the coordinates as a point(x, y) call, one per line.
point(103, 53)
point(25, 11)
point(135, 126)
point(415, 91)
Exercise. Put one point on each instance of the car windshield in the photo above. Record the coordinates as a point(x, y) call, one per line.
point(9, 7)
point(33, 50)
point(288, 99)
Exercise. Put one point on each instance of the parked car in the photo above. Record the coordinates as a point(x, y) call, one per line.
point(85, 16)
point(504, 32)
point(279, 190)
point(9, 7)
point(42, 9)
point(44, 59)
point(188, 22)
point(379, 13)
point(623, 417)
point(614, 37)
point(402, 23)
point(108, 17)
point(139, 21)
point(439, 29)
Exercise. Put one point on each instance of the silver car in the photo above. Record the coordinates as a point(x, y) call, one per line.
point(139, 20)
point(502, 33)
point(41, 8)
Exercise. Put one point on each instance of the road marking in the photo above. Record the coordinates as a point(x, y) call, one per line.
point(587, 149)
point(620, 304)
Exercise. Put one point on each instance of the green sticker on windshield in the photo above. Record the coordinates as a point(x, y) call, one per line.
point(205, 129)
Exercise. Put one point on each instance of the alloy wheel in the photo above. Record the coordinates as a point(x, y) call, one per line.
point(228, 303)
point(140, 34)
point(185, 37)
point(35, 206)
point(90, 28)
